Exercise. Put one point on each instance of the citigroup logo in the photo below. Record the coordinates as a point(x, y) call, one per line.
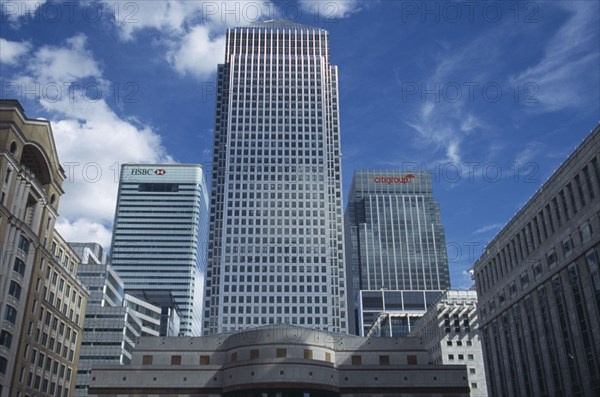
point(395, 179)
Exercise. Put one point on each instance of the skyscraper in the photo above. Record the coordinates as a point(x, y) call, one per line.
point(396, 248)
point(276, 246)
point(159, 234)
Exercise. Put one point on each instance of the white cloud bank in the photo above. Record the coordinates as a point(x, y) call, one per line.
point(91, 139)
point(193, 32)
point(331, 9)
point(11, 51)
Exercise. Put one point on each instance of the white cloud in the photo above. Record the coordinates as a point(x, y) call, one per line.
point(198, 53)
point(488, 228)
point(444, 126)
point(91, 139)
point(192, 32)
point(11, 51)
point(528, 153)
point(64, 64)
point(83, 231)
point(558, 80)
point(331, 9)
point(17, 11)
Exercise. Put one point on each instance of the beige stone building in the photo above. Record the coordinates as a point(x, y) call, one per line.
point(42, 302)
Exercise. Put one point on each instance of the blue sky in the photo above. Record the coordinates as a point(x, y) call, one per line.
point(490, 96)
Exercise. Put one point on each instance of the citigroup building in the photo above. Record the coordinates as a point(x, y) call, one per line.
point(395, 247)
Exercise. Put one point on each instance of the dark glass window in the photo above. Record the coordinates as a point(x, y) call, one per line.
point(158, 187)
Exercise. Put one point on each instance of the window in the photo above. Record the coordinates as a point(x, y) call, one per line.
point(233, 357)
point(281, 353)
point(524, 279)
point(470, 357)
point(567, 246)
point(461, 356)
point(328, 357)
point(175, 360)
point(14, 290)
point(356, 360)
point(551, 258)
point(10, 314)
point(3, 364)
point(24, 244)
point(147, 360)
point(411, 359)
point(19, 266)
point(450, 356)
point(537, 269)
point(384, 360)
point(585, 232)
point(449, 343)
point(254, 354)
point(512, 287)
point(5, 339)
point(472, 371)
point(593, 266)
point(204, 360)
point(308, 354)
point(473, 385)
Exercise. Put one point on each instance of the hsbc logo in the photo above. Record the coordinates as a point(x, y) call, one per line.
point(385, 179)
point(148, 171)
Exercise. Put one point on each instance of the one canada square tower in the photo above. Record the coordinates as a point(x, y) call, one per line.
point(276, 243)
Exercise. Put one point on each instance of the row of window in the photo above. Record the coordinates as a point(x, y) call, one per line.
point(581, 190)
point(536, 270)
point(543, 321)
point(262, 320)
point(280, 126)
point(236, 309)
point(461, 357)
point(283, 64)
point(259, 36)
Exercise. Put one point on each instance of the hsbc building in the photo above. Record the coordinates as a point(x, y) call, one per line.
point(160, 232)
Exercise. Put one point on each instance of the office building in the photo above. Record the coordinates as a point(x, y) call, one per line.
point(276, 246)
point(281, 361)
point(159, 234)
point(43, 302)
point(450, 333)
point(394, 242)
point(393, 313)
point(157, 310)
point(110, 330)
point(538, 283)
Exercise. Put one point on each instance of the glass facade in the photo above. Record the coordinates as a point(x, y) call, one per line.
point(394, 236)
point(159, 235)
point(276, 252)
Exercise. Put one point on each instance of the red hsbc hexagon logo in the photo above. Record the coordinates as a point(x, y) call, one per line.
point(160, 171)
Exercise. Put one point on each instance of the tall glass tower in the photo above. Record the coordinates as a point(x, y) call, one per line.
point(276, 245)
point(396, 247)
point(159, 234)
